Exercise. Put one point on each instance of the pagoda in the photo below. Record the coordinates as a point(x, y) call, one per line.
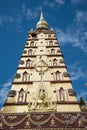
point(42, 96)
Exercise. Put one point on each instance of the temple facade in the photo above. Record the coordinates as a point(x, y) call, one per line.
point(42, 96)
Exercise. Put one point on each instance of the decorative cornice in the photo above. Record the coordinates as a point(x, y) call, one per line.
point(51, 38)
point(18, 103)
point(44, 31)
point(58, 66)
point(30, 47)
point(31, 82)
point(61, 81)
point(52, 55)
point(49, 55)
point(67, 102)
point(32, 39)
point(32, 67)
point(42, 46)
point(58, 102)
point(53, 46)
point(22, 82)
point(28, 56)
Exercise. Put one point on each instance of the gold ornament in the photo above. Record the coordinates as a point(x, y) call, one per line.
point(53, 123)
point(1, 125)
point(27, 125)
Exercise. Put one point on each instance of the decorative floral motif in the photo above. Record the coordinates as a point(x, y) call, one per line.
point(80, 123)
point(66, 116)
point(27, 124)
point(38, 117)
point(53, 123)
point(12, 117)
point(67, 119)
point(43, 120)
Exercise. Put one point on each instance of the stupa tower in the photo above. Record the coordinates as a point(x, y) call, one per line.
point(41, 76)
point(41, 85)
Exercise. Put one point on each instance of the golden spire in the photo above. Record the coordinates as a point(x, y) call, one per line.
point(42, 24)
point(41, 16)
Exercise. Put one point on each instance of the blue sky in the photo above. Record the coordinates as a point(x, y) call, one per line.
point(67, 17)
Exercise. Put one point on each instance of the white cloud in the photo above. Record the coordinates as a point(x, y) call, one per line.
point(76, 2)
point(77, 72)
point(4, 88)
point(11, 20)
point(76, 33)
point(24, 8)
point(17, 18)
point(82, 94)
point(53, 3)
point(6, 20)
point(31, 14)
point(81, 16)
point(60, 1)
point(6, 84)
point(3, 94)
point(50, 4)
point(76, 38)
point(65, 37)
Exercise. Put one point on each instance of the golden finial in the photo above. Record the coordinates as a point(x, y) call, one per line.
point(41, 16)
point(42, 24)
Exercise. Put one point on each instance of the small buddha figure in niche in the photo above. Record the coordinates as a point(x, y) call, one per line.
point(57, 74)
point(54, 62)
point(52, 51)
point(62, 94)
point(32, 43)
point(21, 95)
point(50, 43)
point(25, 74)
point(49, 36)
point(30, 52)
point(28, 63)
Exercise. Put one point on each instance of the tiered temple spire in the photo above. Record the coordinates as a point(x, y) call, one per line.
point(42, 95)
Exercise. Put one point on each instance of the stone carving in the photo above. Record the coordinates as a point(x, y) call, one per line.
point(54, 120)
point(12, 117)
point(42, 101)
point(1, 125)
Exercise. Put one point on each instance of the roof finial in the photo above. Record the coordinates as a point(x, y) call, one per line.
point(41, 16)
point(42, 24)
